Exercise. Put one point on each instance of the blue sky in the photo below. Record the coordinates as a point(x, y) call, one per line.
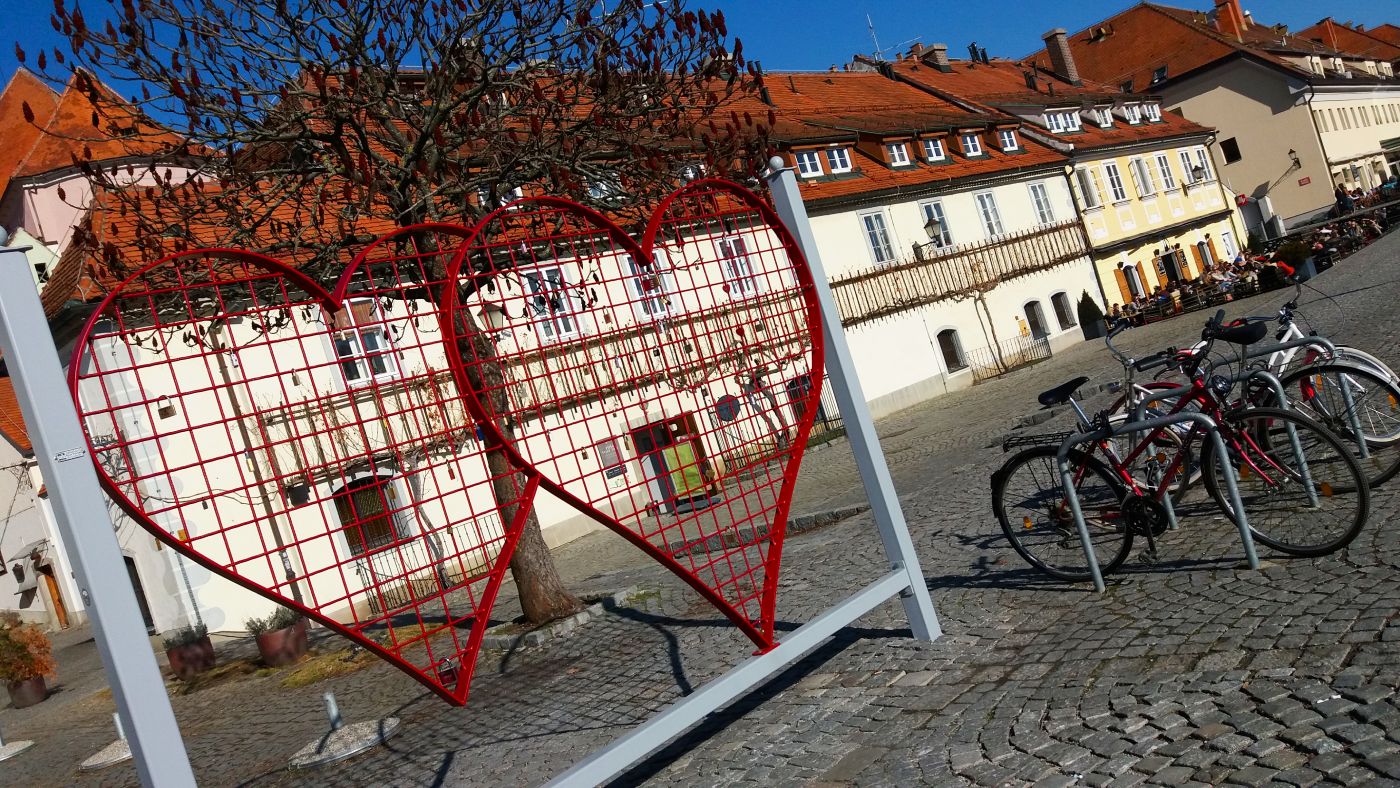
point(815, 34)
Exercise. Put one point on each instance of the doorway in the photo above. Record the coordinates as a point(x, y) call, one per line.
point(673, 464)
point(140, 594)
point(1035, 318)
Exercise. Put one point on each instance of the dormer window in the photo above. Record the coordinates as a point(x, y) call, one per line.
point(483, 196)
point(898, 154)
point(1153, 112)
point(1104, 117)
point(1008, 140)
point(1062, 122)
point(1159, 74)
point(809, 164)
point(1315, 64)
point(1133, 112)
point(971, 145)
point(933, 150)
point(838, 160)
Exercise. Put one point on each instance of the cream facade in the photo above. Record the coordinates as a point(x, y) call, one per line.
point(1354, 126)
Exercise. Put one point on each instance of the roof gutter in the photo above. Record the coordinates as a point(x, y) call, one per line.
point(831, 204)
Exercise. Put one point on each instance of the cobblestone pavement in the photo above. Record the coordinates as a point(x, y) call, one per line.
point(1193, 671)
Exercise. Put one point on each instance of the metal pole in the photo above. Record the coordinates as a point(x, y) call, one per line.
point(80, 511)
point(860, 427)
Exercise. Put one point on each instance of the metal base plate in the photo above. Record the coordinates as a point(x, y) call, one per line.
point(347, 742)
point(112, 754)
point(14, 748)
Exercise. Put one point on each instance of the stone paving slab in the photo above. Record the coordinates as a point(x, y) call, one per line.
point(1194, 671)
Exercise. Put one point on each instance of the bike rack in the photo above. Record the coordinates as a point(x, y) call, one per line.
point(1206, 423)
point(1331, 349)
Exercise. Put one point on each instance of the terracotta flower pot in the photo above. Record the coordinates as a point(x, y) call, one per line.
point(188, 661)
point(283, 646)
point(27, 692)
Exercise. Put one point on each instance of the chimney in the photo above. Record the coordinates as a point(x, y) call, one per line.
point(916, 49)
point(1229, 19)
point(762, 86)
point(938, 57)
point(1061, 60)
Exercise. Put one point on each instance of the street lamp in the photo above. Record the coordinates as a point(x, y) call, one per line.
point(495, 316)
point(1293, 154)
point(1198, 173)
point(933, 227)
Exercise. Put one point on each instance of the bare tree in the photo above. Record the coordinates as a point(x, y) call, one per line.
point(305, 126)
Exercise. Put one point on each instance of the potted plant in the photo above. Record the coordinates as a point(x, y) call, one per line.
point(189, 651)
point(26, 657)
point(1091, 318)
point(281, 637)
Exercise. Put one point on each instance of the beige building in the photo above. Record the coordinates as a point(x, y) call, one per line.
point(1295, 117)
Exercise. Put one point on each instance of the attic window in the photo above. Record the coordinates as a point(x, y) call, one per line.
point(1159, 74)
point(1062, 122)
point(933, 150)
point(971, 145)
point(1104, 117)
point(1008, 140)
point(1153, 112)
point(1127, 87)
point(809, 164)
point(898, 154)
point(839, 159)
point(1133, 112)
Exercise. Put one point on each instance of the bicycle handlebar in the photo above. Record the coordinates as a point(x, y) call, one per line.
point(1156, 361)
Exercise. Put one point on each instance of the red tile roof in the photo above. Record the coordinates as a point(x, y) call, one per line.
point(19, 133)
point(1138, 41)
point(1003, 84)
point(11, 422)
point(1342, 38)
point(1388, 33)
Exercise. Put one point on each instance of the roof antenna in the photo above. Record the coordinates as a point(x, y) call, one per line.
point(870, 25)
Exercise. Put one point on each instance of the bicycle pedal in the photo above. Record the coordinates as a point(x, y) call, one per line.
point(1149, 558)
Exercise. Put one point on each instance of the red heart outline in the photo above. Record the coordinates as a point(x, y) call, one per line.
point(762, 634)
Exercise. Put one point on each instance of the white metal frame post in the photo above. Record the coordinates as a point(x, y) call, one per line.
point(80, 511)
point(904, 579)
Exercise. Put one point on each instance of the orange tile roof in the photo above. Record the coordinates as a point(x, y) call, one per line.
point(19, 133)
point(11, 421)
point(1388, 33)
point(1355, 42)
point(1146, 37)
point(1002, 84)
point(108, 128)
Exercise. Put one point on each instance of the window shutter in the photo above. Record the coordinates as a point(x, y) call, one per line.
point(1214, 255)
point(1137, 176)
point(1123, 288)
point(1200, 258)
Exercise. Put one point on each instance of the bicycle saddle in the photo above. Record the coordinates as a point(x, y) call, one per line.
point(1061, 393)
point(1245, 334)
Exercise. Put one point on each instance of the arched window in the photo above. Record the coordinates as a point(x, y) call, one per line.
point(1035, 318)
point(951, 348)
point(1063, 312)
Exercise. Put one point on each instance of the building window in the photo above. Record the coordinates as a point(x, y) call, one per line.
point(1164, 168)
point(1040, 198)
point(838, 159)
point(1126, 87)
point(898, 154)
point(362, 345)
point(1153, 112)
point(1104, 117)
point(1186, 165)
point(1227, 240)
point(550, 303)
point(809, 164)
point(1063, 313)
point(991, 217)
point(933, 150)
point(367, 520)
point(1203, 162)
point(483, 197)
point(1035, 319)
point(1089, 187)
point(878, 236)
point(1116, 192)
point(971, 145)
point(1319, 117)
point(650, 287)
point(951, 348)
point(1159, 74)
point(605, 189)
point(934, 210)
point(1142, 177)
point(1062, 122)
point(1133, 112)
point(1230, 149)
point(738, 271)
point(1008, 140)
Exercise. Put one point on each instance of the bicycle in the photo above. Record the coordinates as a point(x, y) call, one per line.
point(1286, 464)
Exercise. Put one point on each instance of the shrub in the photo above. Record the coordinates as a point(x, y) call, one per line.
point(1293, 252)
point(25, 651)
point(1089, 311)
point(281, 618)
point(185, 637)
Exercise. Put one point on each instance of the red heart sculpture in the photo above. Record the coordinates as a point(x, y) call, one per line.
point(665, 389)
point(309, 446)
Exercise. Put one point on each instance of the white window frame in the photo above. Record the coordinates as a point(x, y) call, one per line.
point(1142, 177)
point(1116, 190)
point(553, 326)
point(1008, 139)
point(1133, 112)
point(733, 253)
point(972, 145)
point(1164, 168)
point(809, 163)
point(934, 150)
point(1105, 117)
point(483, 195)
point(1186, 162)
point(348, 345)
point(1089, 187)
point(838, 160)
point(934, 208)
point(988, 212)
point(898, 153)
point(1040, 200)
point(1227, 240)
point(649, 304)
point(1153, 112)
point(1203, 159)
point(878, 239)
point(604, 189)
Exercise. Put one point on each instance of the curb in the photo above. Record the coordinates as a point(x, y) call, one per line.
point(496, 640)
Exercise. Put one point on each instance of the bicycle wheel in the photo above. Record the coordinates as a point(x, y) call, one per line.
point(1030, 504)
point(1169, 443)
point(1373, 419)
point(1307, 504)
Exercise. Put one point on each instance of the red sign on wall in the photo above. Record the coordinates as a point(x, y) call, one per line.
point(1304, 181)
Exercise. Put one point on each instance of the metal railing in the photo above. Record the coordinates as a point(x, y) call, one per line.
point(1009, 355)
point(936, 274)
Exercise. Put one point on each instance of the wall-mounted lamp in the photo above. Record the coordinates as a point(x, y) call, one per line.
point(933, 228)
point(1293, 154)
point(495, 316)
point(1198, 173)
